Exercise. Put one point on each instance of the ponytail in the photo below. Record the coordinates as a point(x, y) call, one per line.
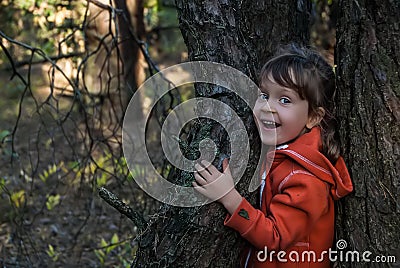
point(329, 137)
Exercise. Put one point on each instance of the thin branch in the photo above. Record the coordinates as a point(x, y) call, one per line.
point(54, 58)
point(13, 65)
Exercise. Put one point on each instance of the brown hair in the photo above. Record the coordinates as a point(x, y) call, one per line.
point(306, 71)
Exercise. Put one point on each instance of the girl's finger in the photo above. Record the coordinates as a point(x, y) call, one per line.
point(198, 188)
point(210, 168)
point(199, 179)
point(225, 166)
point(195, 184)
point(202, 171)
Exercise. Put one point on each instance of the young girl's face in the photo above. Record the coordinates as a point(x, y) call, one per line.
point(280, 110)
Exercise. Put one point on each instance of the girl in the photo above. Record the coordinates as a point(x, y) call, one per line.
point(294, 224)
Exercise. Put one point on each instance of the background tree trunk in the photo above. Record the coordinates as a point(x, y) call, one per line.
point(242, 34)
point(131, 26)
point(115, 71)
point(368, 107)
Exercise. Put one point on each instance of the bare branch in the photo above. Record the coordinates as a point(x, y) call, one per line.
point(13, 65)
point(123, 208)
point(53, 58)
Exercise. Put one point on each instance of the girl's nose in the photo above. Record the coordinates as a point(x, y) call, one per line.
point(269, 107)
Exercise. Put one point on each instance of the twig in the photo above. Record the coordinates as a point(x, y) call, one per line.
point(53, 58)
point(11, 60)
point(123, 208)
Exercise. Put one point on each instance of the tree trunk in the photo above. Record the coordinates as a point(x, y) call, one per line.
point(368, 108)
point(242, 34)
point(131, 26)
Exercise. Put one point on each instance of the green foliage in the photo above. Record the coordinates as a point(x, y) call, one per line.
point(24, 4)
point(101, 256)
point(102, 180)
point(52, 253)
point(46, 24)
point(162, 24)
point(52, 169)
point(2, 185)
point(114, 242)
point(102, 163)
point(3, 135)
point(122, 248)
point(52, 201)
point(17, 198)
point(151, 4)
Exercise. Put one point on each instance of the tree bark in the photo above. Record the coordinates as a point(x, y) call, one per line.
point(242, 34)
point(368, 109)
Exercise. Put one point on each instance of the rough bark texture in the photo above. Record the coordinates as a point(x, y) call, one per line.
point(368, 60)
point(242, 34)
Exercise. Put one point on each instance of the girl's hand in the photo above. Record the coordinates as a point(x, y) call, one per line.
point(216, 185)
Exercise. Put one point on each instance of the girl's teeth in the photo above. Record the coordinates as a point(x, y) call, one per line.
point(269, 124)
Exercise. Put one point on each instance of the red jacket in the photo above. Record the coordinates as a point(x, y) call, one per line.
point(297, 207)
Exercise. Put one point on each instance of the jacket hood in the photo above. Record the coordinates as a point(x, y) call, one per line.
point(305, 150)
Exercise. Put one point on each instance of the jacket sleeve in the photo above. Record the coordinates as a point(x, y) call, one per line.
point(293, 213)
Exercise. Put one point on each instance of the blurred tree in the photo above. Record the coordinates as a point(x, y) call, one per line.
point(132, 33)
point(233, 33)
point(368, 107)
point(324, 23)
point(115, 37)
point(323, 30)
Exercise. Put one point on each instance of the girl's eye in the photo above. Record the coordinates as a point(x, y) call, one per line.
point(284, 100)
point(264, 96)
